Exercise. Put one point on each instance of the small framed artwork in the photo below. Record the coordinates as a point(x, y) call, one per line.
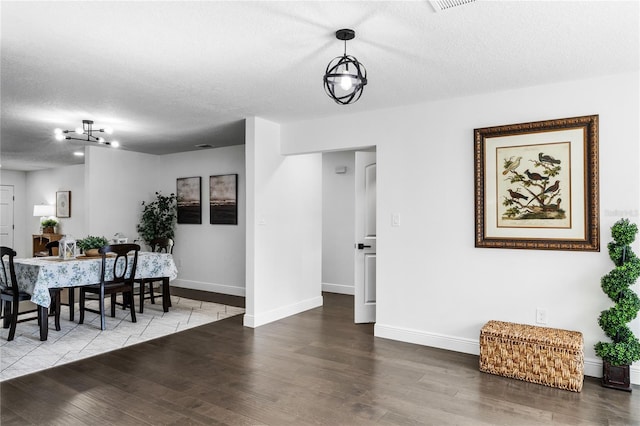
point(223, 199)
point(537, 186)
point(63, 204)
point(188, 194)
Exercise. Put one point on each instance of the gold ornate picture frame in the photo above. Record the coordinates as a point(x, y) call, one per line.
point(537, 185)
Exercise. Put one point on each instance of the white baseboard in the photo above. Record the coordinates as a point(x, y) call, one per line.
point(592, 367)
point(338, 288)
point(211, 287)
point(442, 341)
point(263, 318)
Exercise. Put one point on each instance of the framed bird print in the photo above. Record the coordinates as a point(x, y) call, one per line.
point(536, 185)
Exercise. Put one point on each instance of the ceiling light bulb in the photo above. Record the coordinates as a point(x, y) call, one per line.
point(345, 81)
point(115, 144)
point(59, 136)
point(100, 140)
point(78, 154)
point(108, 130)
point(79, 130)
point(57, 131)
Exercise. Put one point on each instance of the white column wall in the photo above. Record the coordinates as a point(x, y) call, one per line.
point(284, 232)
point(115, 181)
point(434, 287)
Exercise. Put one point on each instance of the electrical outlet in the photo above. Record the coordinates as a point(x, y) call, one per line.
point(541, 316)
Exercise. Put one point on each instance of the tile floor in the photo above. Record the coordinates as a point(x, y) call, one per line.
point(27, 354)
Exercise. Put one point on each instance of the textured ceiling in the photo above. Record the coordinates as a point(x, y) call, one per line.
point(167, 76)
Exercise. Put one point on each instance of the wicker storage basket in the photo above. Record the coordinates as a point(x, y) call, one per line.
point(548, 356)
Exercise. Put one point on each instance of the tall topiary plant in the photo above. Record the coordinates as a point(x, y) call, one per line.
point(625, 347)
point(158, 218)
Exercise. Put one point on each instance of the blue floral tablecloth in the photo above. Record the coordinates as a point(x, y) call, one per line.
point(36, 275)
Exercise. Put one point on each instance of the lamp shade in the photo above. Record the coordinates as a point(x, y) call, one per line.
point(44, 210)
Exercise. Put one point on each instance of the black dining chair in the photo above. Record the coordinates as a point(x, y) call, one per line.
point(11, 296)
point(70, 290)
point(51, 245)
point(158, 245)
point(115, 277)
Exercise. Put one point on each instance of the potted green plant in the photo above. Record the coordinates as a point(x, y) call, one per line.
point(91, 244)
point(48, 225)
point(158, 218)
point(618, 355)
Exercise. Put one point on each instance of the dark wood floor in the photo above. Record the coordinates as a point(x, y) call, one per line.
point(313, 368)
point(207, 296)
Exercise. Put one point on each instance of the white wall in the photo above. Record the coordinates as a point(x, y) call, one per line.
point(107, 194)
point(115, 182)
point(42, 187)
point(338, 215)
point(209, 257)
point(434, 287)
point(22, 212)
point(284, 227)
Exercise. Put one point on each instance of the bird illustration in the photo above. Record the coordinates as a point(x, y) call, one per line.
point(512, 165)
point(535, 176)
point(552, 207)
point(516, 195)
point(552, 188)
point(547, 159)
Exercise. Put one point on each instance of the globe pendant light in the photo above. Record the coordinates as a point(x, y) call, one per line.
point(345, 77)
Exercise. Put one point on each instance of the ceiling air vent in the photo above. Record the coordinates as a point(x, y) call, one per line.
point(204, 146)
point(440, 5)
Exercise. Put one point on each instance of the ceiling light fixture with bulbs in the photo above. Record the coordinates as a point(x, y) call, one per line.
point(88, 131)
point(345, 77)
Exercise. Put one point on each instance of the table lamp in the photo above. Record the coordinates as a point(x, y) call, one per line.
point(44, 211)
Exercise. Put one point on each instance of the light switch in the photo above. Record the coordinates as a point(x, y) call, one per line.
point(395, 219)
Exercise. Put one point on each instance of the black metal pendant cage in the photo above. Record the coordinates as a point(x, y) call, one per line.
point(345, 77)
point(341, 68)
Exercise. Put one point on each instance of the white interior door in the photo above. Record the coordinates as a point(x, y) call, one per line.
point(365, 244)
point(6, 215)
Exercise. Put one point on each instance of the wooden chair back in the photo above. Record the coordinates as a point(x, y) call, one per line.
point(51, 245)
point(162, 245)
point(8, 282)
point(120, 272)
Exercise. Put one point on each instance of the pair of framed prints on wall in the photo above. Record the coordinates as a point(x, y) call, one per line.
point(223, 200)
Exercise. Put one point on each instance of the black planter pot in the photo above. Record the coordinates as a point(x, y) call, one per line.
point(616, 376)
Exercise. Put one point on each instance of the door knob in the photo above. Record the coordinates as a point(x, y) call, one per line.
point(362, 246)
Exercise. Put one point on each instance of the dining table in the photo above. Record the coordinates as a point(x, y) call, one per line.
point(36, 275)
